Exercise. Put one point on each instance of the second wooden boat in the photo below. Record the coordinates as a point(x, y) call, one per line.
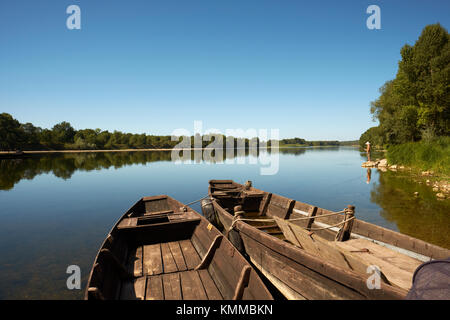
point(312, 253)
point(161, 249)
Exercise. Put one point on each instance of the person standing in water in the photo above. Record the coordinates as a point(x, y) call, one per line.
point(368, 150)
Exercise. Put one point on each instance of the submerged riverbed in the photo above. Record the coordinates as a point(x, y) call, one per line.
point(57, 208)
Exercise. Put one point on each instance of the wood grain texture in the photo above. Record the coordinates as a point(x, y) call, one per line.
point(152, 259)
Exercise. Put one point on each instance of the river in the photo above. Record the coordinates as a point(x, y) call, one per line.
point(56, 209)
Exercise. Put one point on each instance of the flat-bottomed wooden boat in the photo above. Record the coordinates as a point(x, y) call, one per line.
point(312, 253)
point(161, 249)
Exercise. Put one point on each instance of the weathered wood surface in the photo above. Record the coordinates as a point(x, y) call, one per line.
point(172, 286)
point(153, 251)
point(397, 268)
point(330, 251)
point(312, 243)
point(152, 261)
point(333, 282)
point(354, 275)
point(277, 203)
point(192, 286)
point(155, 289)
point(177, 255)
point(378, 233)
point(210, 287)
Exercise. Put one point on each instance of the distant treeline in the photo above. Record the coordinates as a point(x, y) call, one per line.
point(415, 106)
point(303, 142)
point(25, 136)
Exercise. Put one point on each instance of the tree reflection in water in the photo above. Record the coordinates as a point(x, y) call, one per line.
point(63, 165)
point(420, 216)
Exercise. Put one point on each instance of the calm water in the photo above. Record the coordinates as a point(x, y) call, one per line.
point(55, 210)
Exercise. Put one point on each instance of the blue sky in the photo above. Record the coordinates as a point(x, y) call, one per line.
point(309, 69)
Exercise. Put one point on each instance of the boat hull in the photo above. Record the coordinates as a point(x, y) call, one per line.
point(298, 274)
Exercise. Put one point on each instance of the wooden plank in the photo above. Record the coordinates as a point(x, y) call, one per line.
point(210, 253)
point(177, 255)
point(169, 264)
point(153, 198)
point(398, 259)
point(190, 254)
point(290, 205)
point(264, 227)
point(265, 204)
point(172, 286)
point(297, 278)
point(152, 260)
point(313, 244)
point(327, 250)
point(154, 288)
point(210, 287)
point(127, 223)
point(346, 230)
point(397, 268)
point(155, 213)
point(156, 205)
point(313, 266)
point(242, 283)
point(192, 286)
point(312, 213)
point(133, 290)
point(135, 262)
point(279, 206)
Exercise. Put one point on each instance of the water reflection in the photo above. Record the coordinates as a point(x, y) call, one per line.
point(420, 216)
point(369, 175)
point(63, 165)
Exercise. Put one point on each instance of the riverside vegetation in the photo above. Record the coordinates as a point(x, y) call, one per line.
point(413, 110)
point(25, 136)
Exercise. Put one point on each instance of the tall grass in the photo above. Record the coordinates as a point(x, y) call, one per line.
point(432, 155)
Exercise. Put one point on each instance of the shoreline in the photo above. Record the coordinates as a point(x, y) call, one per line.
point(140, 150)
point(437, 181)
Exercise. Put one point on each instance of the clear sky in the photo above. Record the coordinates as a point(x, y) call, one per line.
point(309, 69)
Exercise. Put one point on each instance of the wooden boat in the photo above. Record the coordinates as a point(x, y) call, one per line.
point(312, 253)
point(161, 249)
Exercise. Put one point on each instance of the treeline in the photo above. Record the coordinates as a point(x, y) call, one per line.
point(415, 105)
point(305, 143)
point(25, 136)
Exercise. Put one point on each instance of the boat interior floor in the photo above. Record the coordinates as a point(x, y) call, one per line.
point(165, 271)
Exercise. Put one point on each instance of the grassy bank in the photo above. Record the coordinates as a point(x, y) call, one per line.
point(434, 155)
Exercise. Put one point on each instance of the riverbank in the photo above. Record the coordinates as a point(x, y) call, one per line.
point(437, 181)
point(424, 156)
point(427, 162)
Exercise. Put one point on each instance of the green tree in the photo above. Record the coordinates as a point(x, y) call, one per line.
point(417, 102)
point(12, 135)
point(62, 133)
